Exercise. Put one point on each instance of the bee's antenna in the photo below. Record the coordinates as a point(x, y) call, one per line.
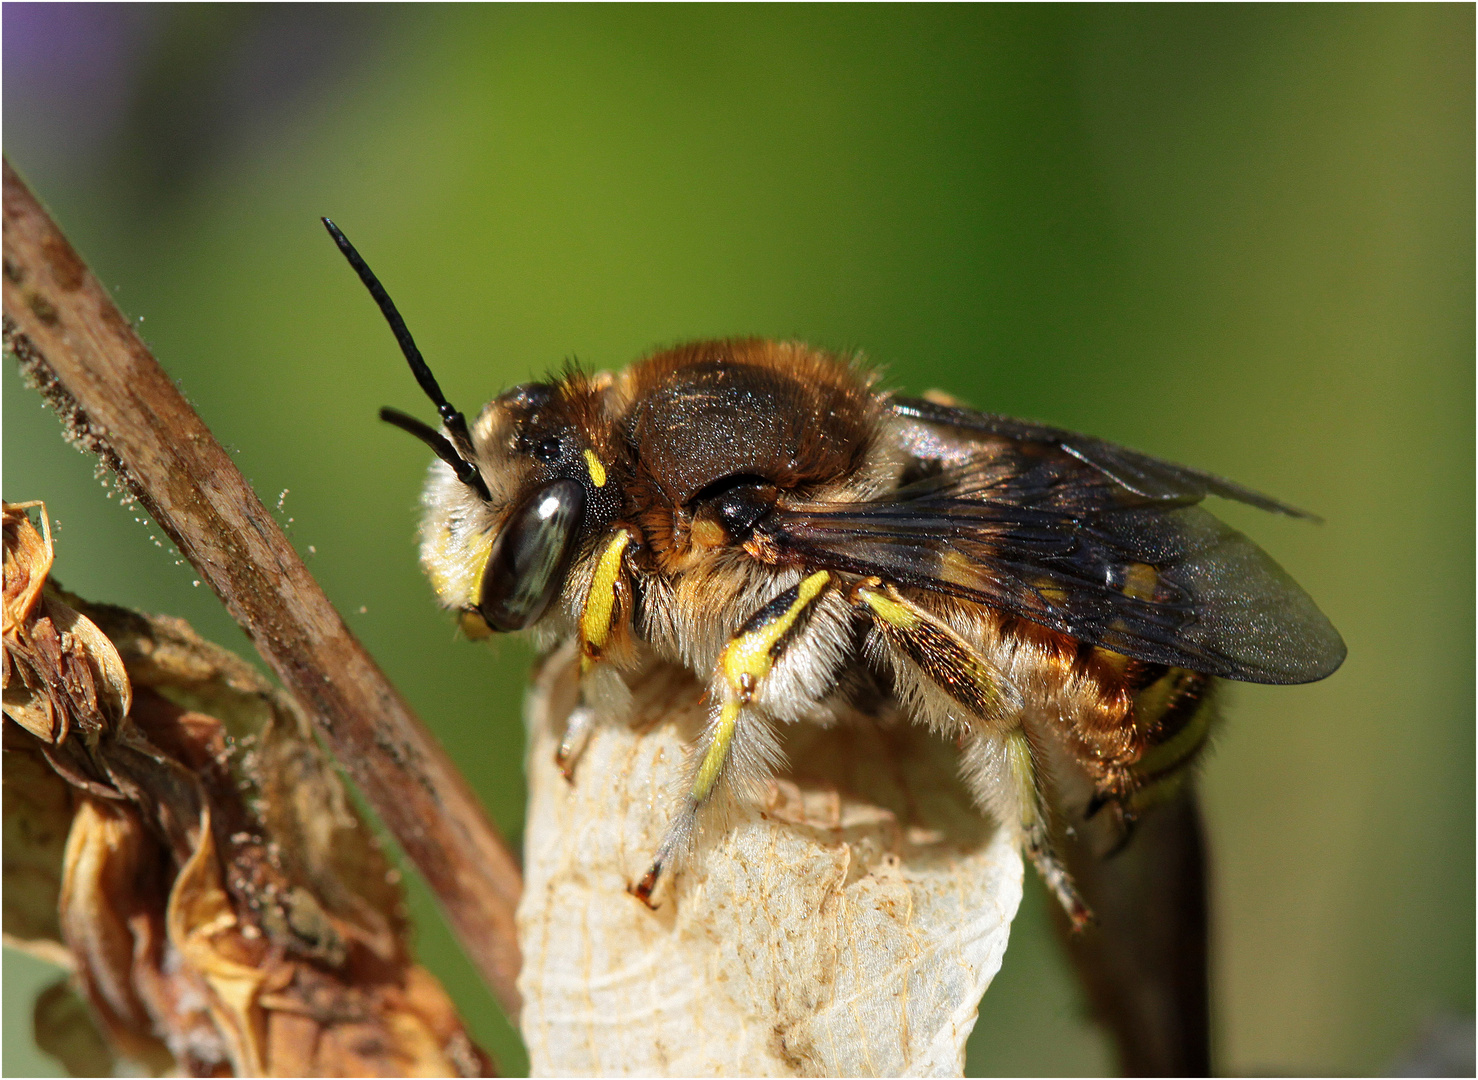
point(441, 446)
point(455, 422)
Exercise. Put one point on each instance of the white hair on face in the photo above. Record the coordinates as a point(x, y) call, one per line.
point(457, 531)
point(458, 526)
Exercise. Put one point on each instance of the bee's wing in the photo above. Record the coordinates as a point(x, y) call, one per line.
point(1062, 543)
point(1159, 481)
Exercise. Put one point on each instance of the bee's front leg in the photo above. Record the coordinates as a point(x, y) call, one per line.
point(578, 726)
point(738, 744)
point(603, 619)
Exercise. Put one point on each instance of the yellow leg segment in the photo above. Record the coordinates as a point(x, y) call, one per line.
point(1003, 775)
point(596, 618)
point(718, 751)
point(945, 658)
point(748, 658)
point(597, 625)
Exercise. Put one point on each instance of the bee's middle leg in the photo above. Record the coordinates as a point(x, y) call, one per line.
point(738, 744)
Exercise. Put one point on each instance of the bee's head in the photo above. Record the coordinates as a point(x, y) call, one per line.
point(513, 497)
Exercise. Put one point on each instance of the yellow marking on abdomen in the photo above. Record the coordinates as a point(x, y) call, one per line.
point(1140, 580)
point(1185, 742)
point(959, 569)
point(1151, 702)
point(1139, 584)
point(1052, 595)
point(1180, 747)
point(600, 601)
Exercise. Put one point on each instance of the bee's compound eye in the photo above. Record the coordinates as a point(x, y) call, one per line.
point(528, 395)
point(528, 565)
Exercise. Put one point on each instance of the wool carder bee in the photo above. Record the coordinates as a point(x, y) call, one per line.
point(763, 515)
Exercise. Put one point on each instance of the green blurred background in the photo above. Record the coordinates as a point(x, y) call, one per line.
point(1236, 237)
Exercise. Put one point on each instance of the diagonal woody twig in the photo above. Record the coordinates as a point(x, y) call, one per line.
point(115, 400)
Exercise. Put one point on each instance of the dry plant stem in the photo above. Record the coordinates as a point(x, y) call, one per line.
point(1144, 966)
point(116, 401)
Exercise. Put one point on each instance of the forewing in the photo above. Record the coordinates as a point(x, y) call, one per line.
point(1062, 544)
point(1141, 474)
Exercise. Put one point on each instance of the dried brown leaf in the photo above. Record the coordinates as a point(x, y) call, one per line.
point(110, 685)
point(202, 925)
point(60, 670)
point(28, 559)
point(223, 906)
point(38, 813)
point(104, 895)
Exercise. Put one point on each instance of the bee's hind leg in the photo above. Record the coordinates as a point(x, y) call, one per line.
point(738, 745)
point(1001, 771)
point(1000, 764)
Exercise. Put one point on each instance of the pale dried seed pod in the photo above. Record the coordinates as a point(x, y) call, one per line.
point(847, 927)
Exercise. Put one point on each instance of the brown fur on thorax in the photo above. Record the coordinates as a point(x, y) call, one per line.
point(800, 419)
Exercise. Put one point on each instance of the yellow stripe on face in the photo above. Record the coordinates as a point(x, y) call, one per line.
point(600, 601)
point(748, 658)
point(597, 470)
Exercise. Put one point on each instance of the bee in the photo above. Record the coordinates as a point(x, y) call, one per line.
point(763, 515)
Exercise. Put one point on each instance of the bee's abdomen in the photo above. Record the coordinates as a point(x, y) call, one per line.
point(1174, 715)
